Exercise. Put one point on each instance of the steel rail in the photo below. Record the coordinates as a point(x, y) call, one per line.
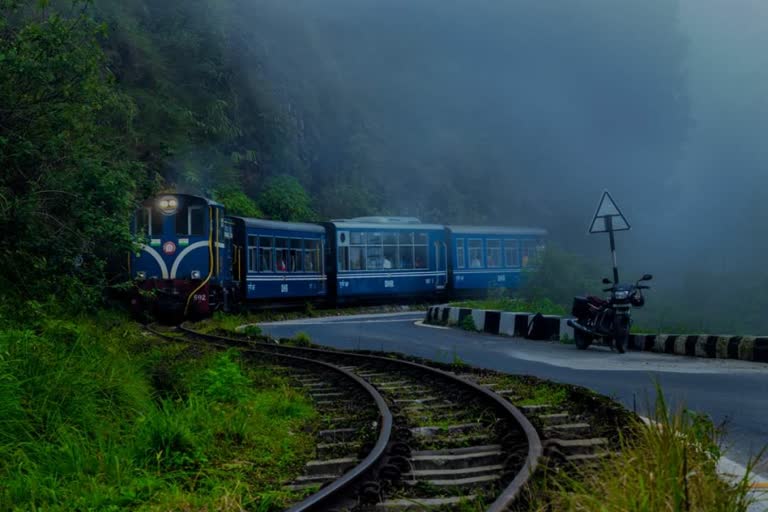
point(535, 449)
point(323, 498)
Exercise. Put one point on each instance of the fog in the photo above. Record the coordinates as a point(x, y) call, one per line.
point(522, 112)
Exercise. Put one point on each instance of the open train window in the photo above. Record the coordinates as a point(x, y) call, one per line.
point(294, 255)
point(476, 253)
point(511, 253)
point(253, 258)
point(460, 255)
point(312, 260)
point(493, 253)
point(265, 254)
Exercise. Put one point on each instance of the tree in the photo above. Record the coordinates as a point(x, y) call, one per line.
point(283, 198)
point(67, 182)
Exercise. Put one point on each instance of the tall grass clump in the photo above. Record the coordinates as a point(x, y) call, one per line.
point(666, 465)
point(97, 415)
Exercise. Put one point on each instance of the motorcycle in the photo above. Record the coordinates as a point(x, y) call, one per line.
point(609, 319)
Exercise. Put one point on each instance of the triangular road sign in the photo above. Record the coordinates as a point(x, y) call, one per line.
point(608, 217)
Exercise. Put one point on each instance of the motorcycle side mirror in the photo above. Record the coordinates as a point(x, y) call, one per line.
point(646, 277)
point(607, 281)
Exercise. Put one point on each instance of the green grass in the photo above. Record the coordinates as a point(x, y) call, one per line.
point(98, 416)
point(665, 466)
point(543, 306)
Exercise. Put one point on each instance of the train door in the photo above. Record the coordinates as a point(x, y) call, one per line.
point(441, 255)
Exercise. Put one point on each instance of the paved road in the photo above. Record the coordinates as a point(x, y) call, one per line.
point(732, 391)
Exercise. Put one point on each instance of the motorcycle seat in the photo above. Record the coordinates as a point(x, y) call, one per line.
point(596, 301)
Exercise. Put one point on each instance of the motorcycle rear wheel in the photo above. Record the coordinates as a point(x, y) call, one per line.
point(583, 341)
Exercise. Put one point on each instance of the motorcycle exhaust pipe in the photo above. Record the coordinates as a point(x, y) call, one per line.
point(576, 325)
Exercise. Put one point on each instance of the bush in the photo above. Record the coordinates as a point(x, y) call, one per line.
point(667, 465)
point(468, 324)
point(252, 331)
point(302, 339)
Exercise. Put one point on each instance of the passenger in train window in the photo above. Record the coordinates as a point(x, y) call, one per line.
point(281, 265)
point(387, 263)
point(475, 262)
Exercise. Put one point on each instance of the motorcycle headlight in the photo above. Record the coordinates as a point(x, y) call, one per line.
point(622, 295)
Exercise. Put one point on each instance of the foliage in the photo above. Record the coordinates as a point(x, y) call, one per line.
point(68, 178)
point(96, 416)
point(302, 339)
point(559, 276)
point(509, 304)
point(669, 464)
point(468, 323)
point(236, 202)
point(283, 198)
point(252, 331)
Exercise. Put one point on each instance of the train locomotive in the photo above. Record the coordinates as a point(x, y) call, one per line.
point(193, 259)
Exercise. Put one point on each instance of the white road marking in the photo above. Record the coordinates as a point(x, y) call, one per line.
point(420, 323)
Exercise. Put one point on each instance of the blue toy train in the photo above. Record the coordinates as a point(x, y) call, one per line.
point(194, 259)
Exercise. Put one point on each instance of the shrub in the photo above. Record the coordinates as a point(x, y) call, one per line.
point(223, 381)
point(302, 339)
point(468, 324)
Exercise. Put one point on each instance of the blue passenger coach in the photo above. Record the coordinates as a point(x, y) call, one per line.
point(490, 257)
point(275, 260)
point(380, 257)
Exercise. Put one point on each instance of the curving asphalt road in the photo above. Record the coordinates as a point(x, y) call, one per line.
point(732, 391)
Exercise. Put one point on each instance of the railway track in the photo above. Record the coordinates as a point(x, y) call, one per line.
point(451, 441)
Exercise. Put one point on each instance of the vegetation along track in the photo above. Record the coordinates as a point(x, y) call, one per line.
point(356, 426)
point(454, 444)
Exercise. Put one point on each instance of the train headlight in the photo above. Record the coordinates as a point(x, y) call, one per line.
point(195, 274)
point(141, 275)
point(168, 205)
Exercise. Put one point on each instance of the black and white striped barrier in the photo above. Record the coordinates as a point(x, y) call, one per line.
point(518, 324)
point(553, 327)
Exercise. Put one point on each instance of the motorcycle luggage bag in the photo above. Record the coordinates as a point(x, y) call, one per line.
point(580, 307)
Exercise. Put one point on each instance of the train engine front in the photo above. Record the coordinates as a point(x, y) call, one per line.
point(183, 265)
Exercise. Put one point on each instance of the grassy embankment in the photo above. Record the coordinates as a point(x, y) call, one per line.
point(510, 304)
point(98, 416)
point(668, 465)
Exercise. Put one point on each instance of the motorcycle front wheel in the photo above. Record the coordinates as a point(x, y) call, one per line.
point(621, 334)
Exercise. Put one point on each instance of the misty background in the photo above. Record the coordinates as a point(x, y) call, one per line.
point(484, 111)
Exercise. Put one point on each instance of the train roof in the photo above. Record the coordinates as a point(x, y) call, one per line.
point(280, 225)
point(365, 223)
point(497, 230)
point(209, 202)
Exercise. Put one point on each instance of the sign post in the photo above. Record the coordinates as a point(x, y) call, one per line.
point(608, 218)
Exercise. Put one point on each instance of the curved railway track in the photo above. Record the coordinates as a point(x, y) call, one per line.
point(448, 441)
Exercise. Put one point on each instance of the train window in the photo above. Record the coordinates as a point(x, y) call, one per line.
point(312, 256)
point(357, 238)
point(475, 253)
point(196, 216)
point(281, 255)
point(420, 239)
point(511, 253)
point(406, 256)
point(406, 238)
point(156, 222)
point(493, 253)
point(295, 256)
point(375, 257)
point(374, 239)
point(530, 251)
point(182, 222)
point(420, 256)
point(390, 238)
point(142, 221)
point(343, 258)
point(253, 258)
point(356, 260)
point(390, 253)
point(265, 254)
point(460, 254)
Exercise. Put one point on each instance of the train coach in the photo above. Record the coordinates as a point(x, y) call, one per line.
point(192, 258)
